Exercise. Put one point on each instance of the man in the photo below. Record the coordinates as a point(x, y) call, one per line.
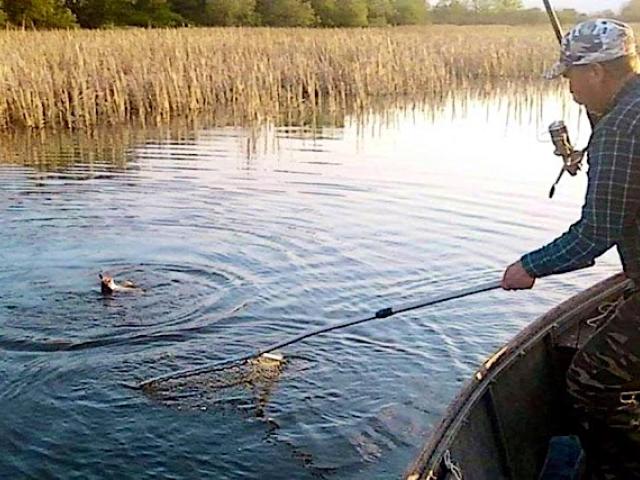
point(599, 59)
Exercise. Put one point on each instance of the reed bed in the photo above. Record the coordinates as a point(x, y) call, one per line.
point(84, 79)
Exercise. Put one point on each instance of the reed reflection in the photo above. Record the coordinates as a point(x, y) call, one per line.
point(513, 103)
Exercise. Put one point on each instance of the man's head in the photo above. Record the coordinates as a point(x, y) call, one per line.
point(597, 56)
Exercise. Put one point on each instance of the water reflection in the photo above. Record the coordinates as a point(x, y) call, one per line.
point(242, 236)
point(516, 102)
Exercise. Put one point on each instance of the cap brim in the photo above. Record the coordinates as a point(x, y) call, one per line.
point(557, 70)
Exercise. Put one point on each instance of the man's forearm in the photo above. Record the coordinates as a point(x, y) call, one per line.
point(571, 251)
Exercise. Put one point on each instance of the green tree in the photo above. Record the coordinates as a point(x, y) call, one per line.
point(3, 16)
point(39, 13)
point(410, 12)
point(193, 11)
point(230, 12)
point(216, 12)
point(286, 13)
point(509, 12)
point(143, 13)
point(381, 12)
point(326, 12)
point(342, 13)
point(96, 13)
point(151, 13)
point(449, 11)
point(352, 13)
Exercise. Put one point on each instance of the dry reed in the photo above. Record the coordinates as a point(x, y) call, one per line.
point(84, 79)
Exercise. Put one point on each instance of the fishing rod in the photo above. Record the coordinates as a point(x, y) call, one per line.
point(267, 352)
point(553, 18)
point(558, 130)
point(572, 158)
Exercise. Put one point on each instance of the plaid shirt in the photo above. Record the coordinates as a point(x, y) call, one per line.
point(610, 214)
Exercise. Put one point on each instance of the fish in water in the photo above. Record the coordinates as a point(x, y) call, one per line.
point(108, 285)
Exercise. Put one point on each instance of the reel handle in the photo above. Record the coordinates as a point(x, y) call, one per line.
point(552, 191)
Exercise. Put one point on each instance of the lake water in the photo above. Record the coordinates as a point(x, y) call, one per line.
point(242, 237)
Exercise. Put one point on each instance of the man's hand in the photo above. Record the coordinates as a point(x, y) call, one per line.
point(516, 278)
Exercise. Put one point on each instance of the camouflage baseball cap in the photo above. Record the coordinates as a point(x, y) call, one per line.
point(593, 41)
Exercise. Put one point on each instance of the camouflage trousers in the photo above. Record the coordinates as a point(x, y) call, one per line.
point(603, 382)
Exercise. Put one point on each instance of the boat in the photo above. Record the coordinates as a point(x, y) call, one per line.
point(500, 425)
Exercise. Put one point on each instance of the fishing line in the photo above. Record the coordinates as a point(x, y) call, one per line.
point(266, 358)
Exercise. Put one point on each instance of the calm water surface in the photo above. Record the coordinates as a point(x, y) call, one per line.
point(243, 237)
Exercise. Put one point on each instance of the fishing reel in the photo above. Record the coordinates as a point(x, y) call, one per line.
point(571, 158)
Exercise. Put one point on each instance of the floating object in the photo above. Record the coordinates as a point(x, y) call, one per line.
point(500, 424)
point(276, 357)
point(108, 285)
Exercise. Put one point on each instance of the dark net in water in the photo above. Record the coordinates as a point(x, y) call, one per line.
point(247, 385)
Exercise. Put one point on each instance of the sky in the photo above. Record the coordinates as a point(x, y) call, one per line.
point(580, 5)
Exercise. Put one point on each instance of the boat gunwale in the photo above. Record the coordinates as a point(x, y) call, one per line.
point(560, 317)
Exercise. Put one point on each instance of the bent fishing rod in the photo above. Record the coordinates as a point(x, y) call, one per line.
point(380, 314)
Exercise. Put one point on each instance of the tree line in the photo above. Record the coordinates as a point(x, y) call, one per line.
point(278, 13)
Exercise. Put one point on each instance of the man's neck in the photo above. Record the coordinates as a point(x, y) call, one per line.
point(615, 89)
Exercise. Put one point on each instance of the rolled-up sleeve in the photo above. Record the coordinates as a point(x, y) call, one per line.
point(612, 200)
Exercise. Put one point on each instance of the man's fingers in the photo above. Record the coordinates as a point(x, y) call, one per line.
point(504, 283)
